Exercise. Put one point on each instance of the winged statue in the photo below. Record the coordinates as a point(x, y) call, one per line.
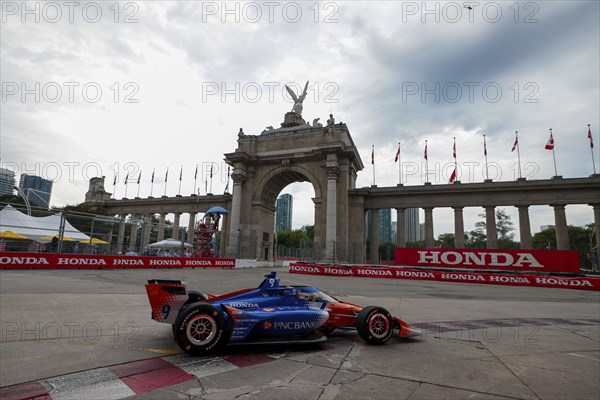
point(297, 108)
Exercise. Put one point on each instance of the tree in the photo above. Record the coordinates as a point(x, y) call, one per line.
point(446, 241)
point(504, 229)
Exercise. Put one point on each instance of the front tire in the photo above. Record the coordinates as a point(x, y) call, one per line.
point(375, 325)
point(201, 329)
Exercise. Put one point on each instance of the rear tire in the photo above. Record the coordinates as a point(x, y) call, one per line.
point(375, 325)
point(201, 329)
point(194, 297)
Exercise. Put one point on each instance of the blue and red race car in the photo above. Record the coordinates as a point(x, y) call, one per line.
point(204, 323)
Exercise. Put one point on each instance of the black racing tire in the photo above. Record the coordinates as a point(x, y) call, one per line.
point(194, 297)
point(201, 329)
point(375, 325)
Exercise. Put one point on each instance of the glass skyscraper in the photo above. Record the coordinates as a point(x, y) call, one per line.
point(283, 213)
point(37, 189)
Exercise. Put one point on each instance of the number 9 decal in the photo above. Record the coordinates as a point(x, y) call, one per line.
point(272, 282)
point(166, 310)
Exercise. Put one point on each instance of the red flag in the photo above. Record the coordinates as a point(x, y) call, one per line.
point(425, 154)
point(397, 154)
point(550, 144)
point(454, 151)
point(453, 176)
point(127, 177)
point(180, 173)
point(139, 177)
point(373, 155)
point(167, 175)
point(590, 137)
point(211, 170)
point(115, 180)
point(152, 180)
point(516, 142)
point(484, 147)
point(196, 173)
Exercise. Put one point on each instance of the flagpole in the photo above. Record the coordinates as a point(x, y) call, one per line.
point(139, 178)
point(553, 155)
point(115, 187)
point(592, 147)
point(373, 161)
point(195, 178)
point(211, 176)
point(126, 179)
point(518, 153)
point(487, 172)
point(152, 182)
point(166, 180)
point(399, 165)
point(455, 162)
point(426, 164)
point(180, 174)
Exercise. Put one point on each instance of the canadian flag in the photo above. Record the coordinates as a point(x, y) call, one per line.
point(550, 144)
point(590, 137)
point(453, 176)
point(425, 154)
point(397, 154)
point(516, 142)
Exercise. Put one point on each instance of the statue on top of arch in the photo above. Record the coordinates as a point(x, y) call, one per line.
point(297, 108)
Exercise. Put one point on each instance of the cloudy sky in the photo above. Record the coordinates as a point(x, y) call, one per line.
point(104, 89)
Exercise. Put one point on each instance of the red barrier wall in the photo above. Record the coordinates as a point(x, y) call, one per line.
point(510, 260)
point(13, 260)
point(584, 283)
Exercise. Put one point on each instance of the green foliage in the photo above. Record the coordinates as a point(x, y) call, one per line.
point(293, 238)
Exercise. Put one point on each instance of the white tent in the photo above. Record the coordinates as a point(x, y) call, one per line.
point(40, 229)
point(169, 244)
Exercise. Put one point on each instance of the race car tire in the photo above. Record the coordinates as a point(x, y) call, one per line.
point(194, 297)
point(201, 329)
point(375, 325)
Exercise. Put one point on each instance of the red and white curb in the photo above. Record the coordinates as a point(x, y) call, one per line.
point(137, 377)
point(124, 380)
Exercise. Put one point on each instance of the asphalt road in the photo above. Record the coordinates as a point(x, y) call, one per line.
point(72, 333)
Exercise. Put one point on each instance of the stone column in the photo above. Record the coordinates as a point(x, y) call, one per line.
point(374, 236)
point(331, 211)
point(597, 226)
point(400, 227)
point(459, 228)
point(161, 227)
point(133, 234)
point(236, 206)
point(176, 226)
point(524, 227)
point(190, 235)
point(429, 240)
point(121, 234)
point(490, 227)
point(562, 231)
point(146, 233)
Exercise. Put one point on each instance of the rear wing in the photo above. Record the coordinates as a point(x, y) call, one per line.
point(166, 299)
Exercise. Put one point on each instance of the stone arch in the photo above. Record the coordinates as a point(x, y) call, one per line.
point(276, 180)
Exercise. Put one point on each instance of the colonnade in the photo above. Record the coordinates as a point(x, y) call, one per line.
point(560, 222)
point(145, 220)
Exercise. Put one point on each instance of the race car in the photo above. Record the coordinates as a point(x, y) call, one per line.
point(268, 314)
